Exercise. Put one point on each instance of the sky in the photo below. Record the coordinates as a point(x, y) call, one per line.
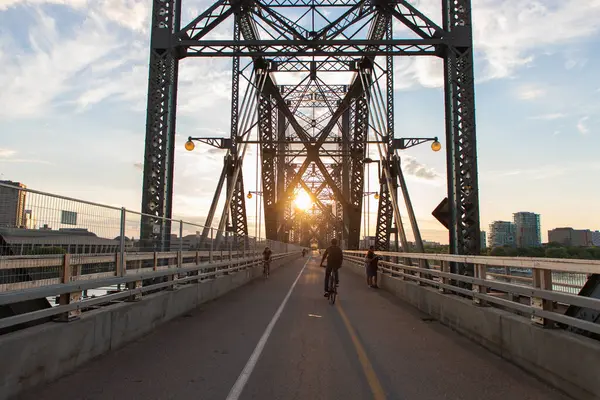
point(73, 78)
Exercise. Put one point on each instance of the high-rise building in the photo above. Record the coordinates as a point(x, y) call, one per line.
point(596, 238)
point(482, 239)
point(12, 204)
point(502, 233)
point(528, 229)
point(571, 237)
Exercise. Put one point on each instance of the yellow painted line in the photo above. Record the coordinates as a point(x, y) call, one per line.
point(376, 388)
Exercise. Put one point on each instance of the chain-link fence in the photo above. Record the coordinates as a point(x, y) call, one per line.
point(47, 239)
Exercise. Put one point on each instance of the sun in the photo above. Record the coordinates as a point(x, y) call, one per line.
point(303, 200)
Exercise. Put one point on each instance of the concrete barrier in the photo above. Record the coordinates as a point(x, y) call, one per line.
point(566, 361)
point(45, 352)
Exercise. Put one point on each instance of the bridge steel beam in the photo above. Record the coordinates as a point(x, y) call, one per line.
point(463, 188)
point(267, 130)
point(350, 42)
point(157, 189)
point(385, 210)
point(239, 220)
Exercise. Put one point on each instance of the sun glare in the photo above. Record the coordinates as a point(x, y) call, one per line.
point(303, 201)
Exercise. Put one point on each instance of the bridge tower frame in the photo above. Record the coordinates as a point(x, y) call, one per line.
point(332, 48)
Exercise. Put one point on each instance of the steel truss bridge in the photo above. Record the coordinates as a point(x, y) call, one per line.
point(313, 132)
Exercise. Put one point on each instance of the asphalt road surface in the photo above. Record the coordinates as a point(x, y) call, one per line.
point(281, 339)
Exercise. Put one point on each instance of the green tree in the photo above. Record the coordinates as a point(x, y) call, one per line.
point(537, 252)
point(498, 252)
point(510, 251)
point(595, 252)
point(557, 252)
point(585, 254)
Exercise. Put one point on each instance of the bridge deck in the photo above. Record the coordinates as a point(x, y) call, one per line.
point(369, 345)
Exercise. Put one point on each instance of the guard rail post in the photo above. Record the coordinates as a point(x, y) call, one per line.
point(445, 267)
point(480, 272)
point(542, 279)
point(210, 250)
point(121, 262)
point(68, 275)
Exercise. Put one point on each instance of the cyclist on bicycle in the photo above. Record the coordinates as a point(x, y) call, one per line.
point(267, 260)
point(334, 257)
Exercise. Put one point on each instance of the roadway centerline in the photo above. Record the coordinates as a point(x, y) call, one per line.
point(241, 381)
point(374, 384)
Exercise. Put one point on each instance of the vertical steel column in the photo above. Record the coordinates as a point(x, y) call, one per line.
point(385, 209)
point(267, 151)
point(282, 222)
point(346, 162)
point(238, 211)
point(460, 129)
point(358, 152)
point(239, 220)
point(157, 192)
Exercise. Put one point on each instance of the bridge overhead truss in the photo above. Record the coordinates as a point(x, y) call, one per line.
point(312, 129)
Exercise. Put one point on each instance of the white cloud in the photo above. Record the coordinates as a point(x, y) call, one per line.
point(508, 32)
point(411, 166)
point(549, 117)
point(421, 71)
point(543, 172)
point(33, 80)
point(530, 92)
point(134, 14)
point(7, 156)
point(575, 63)
point(507, 35)
point(582, 127)
point(5, 153)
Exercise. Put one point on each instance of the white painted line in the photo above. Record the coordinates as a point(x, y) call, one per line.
point(314, 315)
point(237, 388)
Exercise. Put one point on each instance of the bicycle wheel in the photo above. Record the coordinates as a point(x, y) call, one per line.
point(332, 290)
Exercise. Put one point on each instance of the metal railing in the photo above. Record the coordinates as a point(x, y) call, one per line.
point(79, 255)
point(539, 288)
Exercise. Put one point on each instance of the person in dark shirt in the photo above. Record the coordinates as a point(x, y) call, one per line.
point(371, 261)
point(334, 257)
point(267, 261)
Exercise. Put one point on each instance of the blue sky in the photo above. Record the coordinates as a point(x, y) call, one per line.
point(74, 73)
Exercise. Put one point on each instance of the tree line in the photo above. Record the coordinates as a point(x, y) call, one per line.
point(547, 250)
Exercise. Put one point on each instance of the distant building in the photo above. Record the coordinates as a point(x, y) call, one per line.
point(528, 229)
point(596, 238)
point(502, 233)
point(18, 241)
point(483, 243)
point(367, 241)
point(431, 244)
point(571, 237)
point(12, 204)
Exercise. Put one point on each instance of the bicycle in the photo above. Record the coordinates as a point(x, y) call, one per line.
point(332, 288)
point(266, 268)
